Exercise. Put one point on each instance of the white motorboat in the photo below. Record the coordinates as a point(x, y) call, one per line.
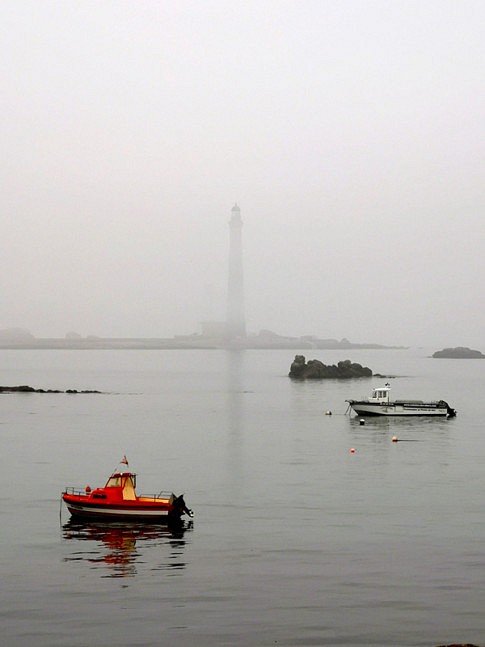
point(380, 404)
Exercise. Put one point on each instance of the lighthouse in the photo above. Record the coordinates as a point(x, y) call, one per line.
point(235, 320)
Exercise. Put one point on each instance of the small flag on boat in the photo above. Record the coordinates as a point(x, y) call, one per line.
point(124, 460)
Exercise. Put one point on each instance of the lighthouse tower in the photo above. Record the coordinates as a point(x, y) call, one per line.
point(235, 320)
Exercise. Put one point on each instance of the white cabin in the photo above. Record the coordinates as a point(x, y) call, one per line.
point(380, 395)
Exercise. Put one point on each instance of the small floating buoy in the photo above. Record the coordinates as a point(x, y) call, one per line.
point(328, 413)
point(395, 439)
point(352, 450)
point(362, 421)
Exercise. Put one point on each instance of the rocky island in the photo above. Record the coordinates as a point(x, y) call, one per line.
point(459, 352)
point(314, 369)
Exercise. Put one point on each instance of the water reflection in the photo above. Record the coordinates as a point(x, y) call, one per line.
point(121, 548)
point(235, 422)
point(402, 423)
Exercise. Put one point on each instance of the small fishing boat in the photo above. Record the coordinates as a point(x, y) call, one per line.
point(118, 501)
point(380, 404)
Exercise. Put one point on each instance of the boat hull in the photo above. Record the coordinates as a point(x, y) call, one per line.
point(404, 409)
point(122, 512)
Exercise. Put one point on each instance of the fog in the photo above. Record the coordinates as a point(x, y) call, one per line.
point(350, 133)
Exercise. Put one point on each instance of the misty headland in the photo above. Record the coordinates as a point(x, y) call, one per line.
point(265, 339)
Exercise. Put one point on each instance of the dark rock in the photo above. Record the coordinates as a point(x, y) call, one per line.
point(297, 366)
point(317, 370)
point(17, 389)
point(459, 352)
point(30, 389)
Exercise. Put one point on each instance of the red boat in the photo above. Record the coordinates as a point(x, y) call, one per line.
point(118, 501)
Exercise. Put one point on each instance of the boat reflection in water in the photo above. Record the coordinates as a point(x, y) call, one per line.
point(400, 423)
point(124, 548)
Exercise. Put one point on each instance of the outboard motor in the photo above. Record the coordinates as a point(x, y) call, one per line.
point(179, 508)
point(451, 412)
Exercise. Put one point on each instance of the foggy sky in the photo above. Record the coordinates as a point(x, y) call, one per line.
point(350, 133)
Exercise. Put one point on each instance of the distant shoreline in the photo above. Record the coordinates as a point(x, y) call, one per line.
point(183, 343)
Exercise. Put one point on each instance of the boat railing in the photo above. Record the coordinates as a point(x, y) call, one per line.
point(79, 491)
point(76, 490)
point(156, 497)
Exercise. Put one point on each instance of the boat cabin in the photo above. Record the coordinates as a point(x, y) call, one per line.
point(380, 395)
point(120, 486)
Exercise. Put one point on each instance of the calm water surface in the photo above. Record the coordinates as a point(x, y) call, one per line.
point(295, 540)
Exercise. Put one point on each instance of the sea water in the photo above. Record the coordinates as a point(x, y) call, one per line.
point(296, 540)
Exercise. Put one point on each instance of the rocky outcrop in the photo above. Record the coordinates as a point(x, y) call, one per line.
point(30, 389)
point(316, 370)
point(459, 352)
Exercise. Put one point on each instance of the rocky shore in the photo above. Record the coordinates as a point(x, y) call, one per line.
point(30, 389)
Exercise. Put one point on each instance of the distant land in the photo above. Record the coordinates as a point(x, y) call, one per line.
point(18, 338)
point(459, 352)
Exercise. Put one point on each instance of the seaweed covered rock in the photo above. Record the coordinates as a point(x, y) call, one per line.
point(314, 369)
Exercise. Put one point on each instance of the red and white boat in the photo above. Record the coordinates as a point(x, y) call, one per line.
point(118, 501)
